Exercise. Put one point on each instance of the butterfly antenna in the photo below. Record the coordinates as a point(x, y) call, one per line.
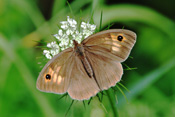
point(69, 107)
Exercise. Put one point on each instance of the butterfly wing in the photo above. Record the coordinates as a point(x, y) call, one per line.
point(55, 76)
point(82, 86)
point(105, 50)
point(107, 72)
point(114, 43)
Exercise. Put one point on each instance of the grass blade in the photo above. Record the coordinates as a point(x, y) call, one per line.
point(147, 80)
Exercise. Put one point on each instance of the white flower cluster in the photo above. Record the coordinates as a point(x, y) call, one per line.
point(53, 50)
point(68, 32)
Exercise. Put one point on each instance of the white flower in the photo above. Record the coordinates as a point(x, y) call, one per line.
point(72, 22)
point(64, 25)
point(69, 31)
point(70, 25)
point(87, 33)
point(64, 40)
point(87, 26)
point(66, 34)
point(93, 27)
point(88, 29)
point(77, 36)
point(53, 50)
point(47, 54)
point(83, 25)
point(59, 35)
point(52, 45)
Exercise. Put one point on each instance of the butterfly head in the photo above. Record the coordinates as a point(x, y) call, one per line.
point(79, 49)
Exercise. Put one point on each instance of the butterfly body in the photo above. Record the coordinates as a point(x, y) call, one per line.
point(80, 52)
point(89, 67)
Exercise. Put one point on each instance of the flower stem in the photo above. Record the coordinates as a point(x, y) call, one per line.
point(112, 102)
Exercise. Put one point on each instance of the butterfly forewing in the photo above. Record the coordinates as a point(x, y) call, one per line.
point(118, 42)
point(55, 76)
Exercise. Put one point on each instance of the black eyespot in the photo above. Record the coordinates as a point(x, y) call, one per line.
point(120, 38)
point(48, 76)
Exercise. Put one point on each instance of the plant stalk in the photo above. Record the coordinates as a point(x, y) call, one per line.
point(113, 103)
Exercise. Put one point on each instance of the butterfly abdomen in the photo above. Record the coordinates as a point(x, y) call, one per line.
point(87, 66)
point(79, 49)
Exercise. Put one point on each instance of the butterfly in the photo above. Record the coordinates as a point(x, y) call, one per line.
point(89, 67)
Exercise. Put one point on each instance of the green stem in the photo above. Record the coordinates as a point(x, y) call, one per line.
point(113, 103)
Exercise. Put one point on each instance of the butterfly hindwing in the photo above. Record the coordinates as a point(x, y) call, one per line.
point(107, 72)
point(82, 86)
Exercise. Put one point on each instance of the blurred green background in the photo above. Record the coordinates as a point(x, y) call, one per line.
point(151, 85)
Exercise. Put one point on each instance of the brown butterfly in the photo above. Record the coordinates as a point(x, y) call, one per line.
point(91, 66)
